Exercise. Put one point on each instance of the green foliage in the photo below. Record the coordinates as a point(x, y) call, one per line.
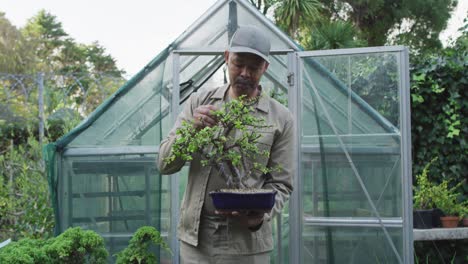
point(61, 122)
point(50, 49)
point(447, 199)
point(331, 34)
point(74, 246)
point(77, 246)
point(16, 54)
point(219, 146)
point(439, 112)
point(279, 96)
point(416, 23)
point(321, 24)
point(25, 209)
point(424, 189)
point(56, 51)
point(290, 14)
point(428, 195)
point(25, 251)
point(139, 251)
point(264, 5)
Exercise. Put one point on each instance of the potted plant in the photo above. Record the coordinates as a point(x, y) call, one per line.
point(464, 216)
point(423, 203)
point(229, 147)
point(139, 249)
point(445, 198)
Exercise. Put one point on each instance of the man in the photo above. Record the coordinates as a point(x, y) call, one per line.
point(209, 236)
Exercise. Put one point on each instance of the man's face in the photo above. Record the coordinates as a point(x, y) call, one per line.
point(245, 71)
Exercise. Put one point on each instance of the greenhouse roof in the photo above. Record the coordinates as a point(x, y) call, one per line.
point(128, 116)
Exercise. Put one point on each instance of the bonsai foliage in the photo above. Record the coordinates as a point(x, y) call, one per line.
point(138, 251)
point(25, 251)
point(77, 246)
point(73, 246)
point(228, 145)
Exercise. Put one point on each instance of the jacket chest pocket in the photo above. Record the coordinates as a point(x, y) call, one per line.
point(264, 145)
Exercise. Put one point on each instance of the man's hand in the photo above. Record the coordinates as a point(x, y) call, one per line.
point(249, 219)
point(203, 117)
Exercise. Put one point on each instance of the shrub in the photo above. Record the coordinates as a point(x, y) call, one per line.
point(73, 246)
point(25, 251)
point(424, 189)
point(25, 209)
point(439, 112)
point(138, 251)
point(77, 246)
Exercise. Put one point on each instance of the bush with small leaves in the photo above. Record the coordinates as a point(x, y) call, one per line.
point(74, 246)
point(138, 251)
point(25, 251)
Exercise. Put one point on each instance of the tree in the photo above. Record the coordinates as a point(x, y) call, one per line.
point(85, 69)
point(303, 21)
point(57, 52)
point(416, 23)
point(264, 5)
point(289, 14)
point(47, 37)
point(329, 34)
point(233, 143)
point(15, 54)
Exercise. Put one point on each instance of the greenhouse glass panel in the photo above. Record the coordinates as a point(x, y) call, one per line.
point(210, 32)
point(113, 195)
point(351, 156)
point(140, 117)
point(351, 245)
point(248, 15)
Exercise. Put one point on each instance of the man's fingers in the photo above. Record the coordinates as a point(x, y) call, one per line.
point(206, 109)
point(226, 212)
point(203, 116)
point(208, 121)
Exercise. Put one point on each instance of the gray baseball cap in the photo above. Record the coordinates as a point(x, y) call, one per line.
point(251, 40)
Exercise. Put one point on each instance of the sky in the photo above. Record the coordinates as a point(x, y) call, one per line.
point(134, 32)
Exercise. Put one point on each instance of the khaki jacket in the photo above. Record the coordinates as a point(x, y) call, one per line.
point(279, 139)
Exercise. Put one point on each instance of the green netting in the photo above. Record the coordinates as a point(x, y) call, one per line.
point(49, 154)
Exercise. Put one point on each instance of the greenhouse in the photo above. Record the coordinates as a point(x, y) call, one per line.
point(352, 192)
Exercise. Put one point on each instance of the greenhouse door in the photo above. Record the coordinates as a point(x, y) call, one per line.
point(352, 199)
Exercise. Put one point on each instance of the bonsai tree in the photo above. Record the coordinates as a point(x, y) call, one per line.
point(138, 251)
point(221, 147)
point(76, 245)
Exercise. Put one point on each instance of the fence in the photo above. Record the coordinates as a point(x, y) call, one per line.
point(44, 97)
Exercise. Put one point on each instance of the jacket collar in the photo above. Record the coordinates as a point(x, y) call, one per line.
point(262, 102)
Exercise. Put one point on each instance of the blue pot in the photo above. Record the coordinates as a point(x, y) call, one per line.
point(262, 201)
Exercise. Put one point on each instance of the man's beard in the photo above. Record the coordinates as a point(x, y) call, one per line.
point(244, 85)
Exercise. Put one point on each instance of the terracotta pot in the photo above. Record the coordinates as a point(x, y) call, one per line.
point(465, 221)
point(449, 221)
